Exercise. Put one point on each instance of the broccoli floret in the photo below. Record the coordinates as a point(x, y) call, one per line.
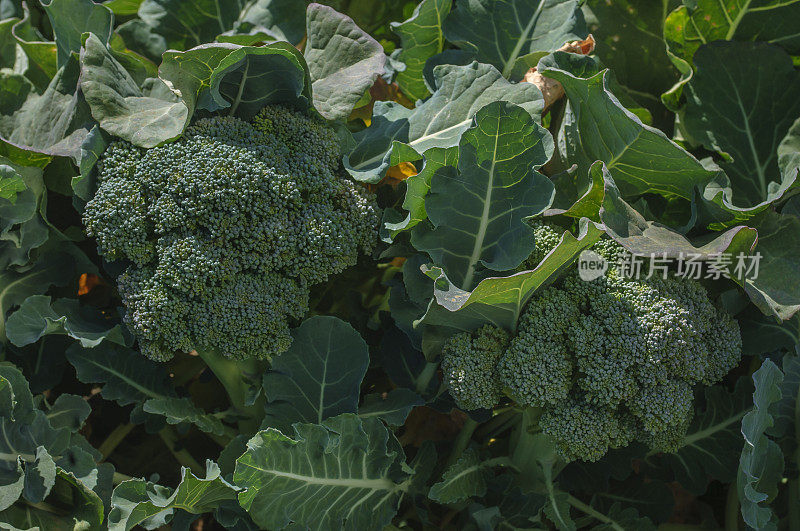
point(227, 229)
point(468, 364)
point(616, 359)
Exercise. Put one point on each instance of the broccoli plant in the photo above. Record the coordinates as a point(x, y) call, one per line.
point(428, 264)
point(606, 361)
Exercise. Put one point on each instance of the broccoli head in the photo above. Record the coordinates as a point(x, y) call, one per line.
point(612, 360)
point(226, 229)
point(469, 364)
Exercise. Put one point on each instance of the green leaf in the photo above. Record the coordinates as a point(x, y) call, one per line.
point(72, 18)
point(22, 227)
point(639, 236)
point(285, 18)
point(53, 122)
point(621, 517)
point(417, 187)
point(464, 479)
point(779, 250)
point(180, 410)
point(239, 79)
point(477, 212)
point(690, 26)
point(50, 269)
point(421, 38)
point(703, 21)
point(786, 409)
point(140, 502)
point(789, 150)
point(344, 473)
point(630, 41)
point(557, 510)
point(70, 412)
point(343, 61)
point(502, 32)
point(184, 24)
point(402, 135)
point(393, 408)
point(761, 464)
point(11, 184)
point(36, 317)
point(119, 105)
point(128, 376)
point(739, 103)
point(713, 441)
point(42, 61)
point(123, 7)
point(21, 406)
point(577, 198)
point(40, 476)
point(87, 512)
point(640, 158)
point(499, 300)
point(319, 376)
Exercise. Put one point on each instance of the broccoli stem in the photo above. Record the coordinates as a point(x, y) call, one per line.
point(231, 374)
point(182, 456)
point(732, 508)
point(588, 510)
point(114, 439)
point(425, 377)
point(462, 441)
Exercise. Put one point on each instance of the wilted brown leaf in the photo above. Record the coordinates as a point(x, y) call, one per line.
point(552, 89)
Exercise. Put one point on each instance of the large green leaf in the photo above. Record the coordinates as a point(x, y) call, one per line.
point(417, 187)
point(466, 478)
point(713, 441)
point(761, 464)
point(503, 32)
point(237, 79)
point(703, 21)
point(184, 25)
point(640, 236)
point(53, 122)
point(343, 61)
point(140, 502)
point(477, 212)
point(285, 18)
point(786, 410)
point(421, 38)
point(181, 411)
point(11, 184)
point(128, 376)
point(640, 158)
point(119, 105)
point(740, 103)
point(392, 407)
point(630, 41)
point(779, 251)
point(50, 269)
point(22, 227)
point(344, 473)
point(400, 135)
point(72, 18)
point(499, 300)
point(319, 376)
point(37, 317)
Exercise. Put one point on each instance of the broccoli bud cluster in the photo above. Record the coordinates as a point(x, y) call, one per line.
point(226, 230)
point(608, 361)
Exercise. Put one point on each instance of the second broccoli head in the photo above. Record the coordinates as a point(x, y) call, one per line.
point(608, 361)
point(226, 230)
